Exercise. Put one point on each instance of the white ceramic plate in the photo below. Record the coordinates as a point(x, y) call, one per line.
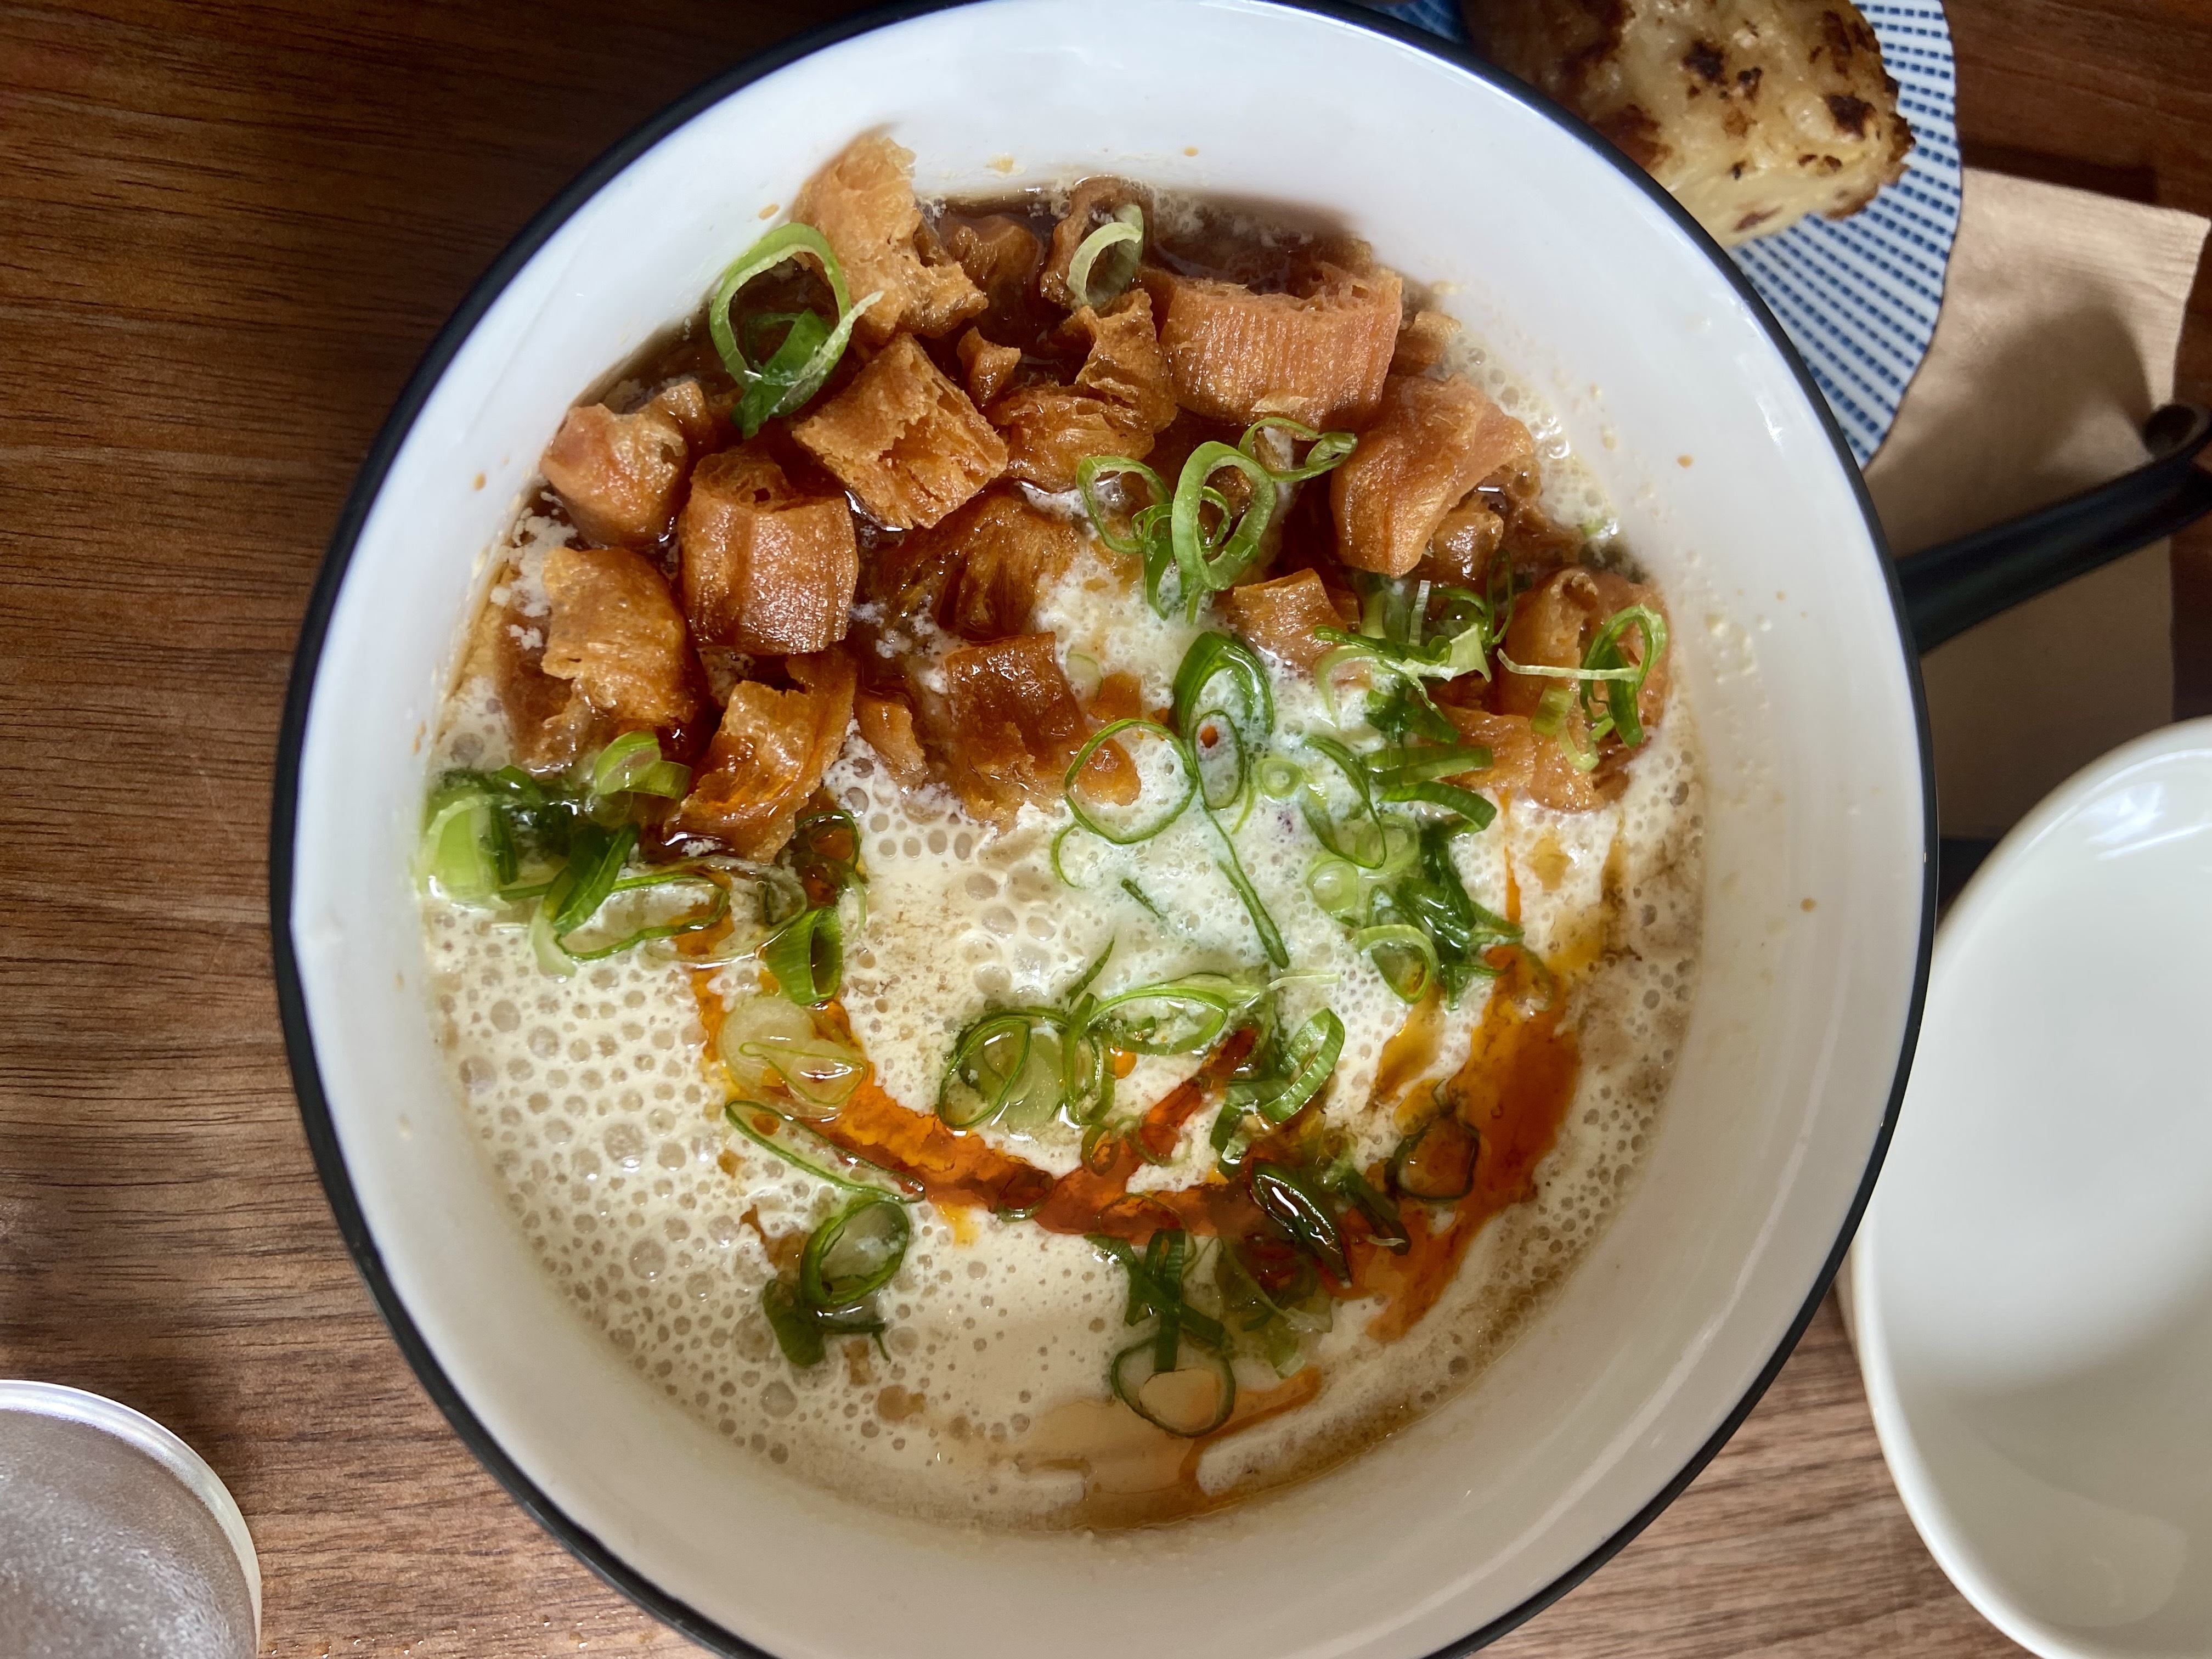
point(2033, 1284)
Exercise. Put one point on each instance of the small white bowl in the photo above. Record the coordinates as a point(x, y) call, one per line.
point(2033, 1279)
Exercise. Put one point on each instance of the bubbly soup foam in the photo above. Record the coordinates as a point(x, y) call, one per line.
point(600, 1107)
point(599, 1098)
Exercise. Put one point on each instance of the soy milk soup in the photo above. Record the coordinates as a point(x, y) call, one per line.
point(1062, 873)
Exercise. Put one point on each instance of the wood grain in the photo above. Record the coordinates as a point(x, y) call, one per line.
point(227, 230)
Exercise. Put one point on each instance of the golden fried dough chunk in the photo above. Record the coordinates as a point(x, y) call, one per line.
point(905, 440)
point(550, 721)
point(987, 366)
point(1090, 204)
point(767, 570)
point(1049, 430)
point(1014, 724)
point(887, 726)
point(1752, 113)
point(1279, 617)
point(1524, 762)
point(1422, 341)
point(1553, 625)
point(1009, 554)
point(1125, 365)
point(1318, 356)
point(616, 634)
point(619, 474)
point(1000, 254)
point(1430, 443)
point(1465, 543)
point(864, 202)
point(1118, 400)
point(768, 755)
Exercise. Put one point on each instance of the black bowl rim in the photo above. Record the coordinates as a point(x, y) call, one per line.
point(299, 1044)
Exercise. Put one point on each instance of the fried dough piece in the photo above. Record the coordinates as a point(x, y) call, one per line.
point(1422, 341)
point(887, 726)
point(1120, 698)
point(1464, 544)
point(1119, 399)
point(987, 366)
point(1009, 554)
point(1432, 442)
point(905, 440)
point(1523, 763)
point(1049, 430)
point(1090, 204)
point(619, 474)
point(1000, 254)
point(1752, 113)
point(616, 634)
point(1319, 356)
point(1279, 617)
point(768, 755)
point(1014, 724)
point(550, 721)
point(1553, 625)
point(912, 577)
point(767, 570)
point(1125, 365)
point(863, 202)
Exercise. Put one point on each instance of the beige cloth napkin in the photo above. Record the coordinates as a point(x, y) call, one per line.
point(2060, 316)
point(2061, 313)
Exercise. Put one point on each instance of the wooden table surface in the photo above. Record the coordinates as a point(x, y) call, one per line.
point(228, 229)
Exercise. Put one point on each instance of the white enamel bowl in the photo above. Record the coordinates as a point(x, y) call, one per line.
point(2033, 1288)
point(1732, 484)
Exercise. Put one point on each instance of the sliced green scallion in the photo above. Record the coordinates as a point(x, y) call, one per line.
point(1175, 1017)
point(1121, 533)
point(1209, 560)
point(1193, 532)
point(821, 1073)
point(1404, 955)
point(1263, 923)
point(846, 1260)
point(802, 1330)
point(458, 848)
point(1436, 1162)
point(806, 956)
point(1290, 1199)
point(1129, 886)
point(1309, 1057)
point(1202, 1402)
point(1013, 1063)
point(1187, 1401)
point(631, 764)
point(1386, 1227)
point(1275, 1086)
point(1604, 669)
point(1279, 1318)
point(855, 1254)
point(811, 347)
point(1215, 657)
point(805, 1149)
point(1124, 229)
point(1327, 450)
point(1141, 823)
point(1278, 779)
point(716, 907)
